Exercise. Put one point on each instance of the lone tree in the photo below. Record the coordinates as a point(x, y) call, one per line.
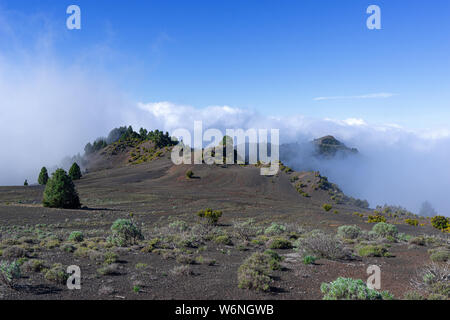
point(427, 210)
point(25, 183)
point(60, 192)
point(75, 172)
point(43, 176)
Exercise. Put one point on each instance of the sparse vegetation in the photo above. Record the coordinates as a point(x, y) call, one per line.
point(327, 207)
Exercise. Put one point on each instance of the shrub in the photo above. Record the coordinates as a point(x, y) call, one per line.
point(308, 259)
point(279, 243)
point(275, 259)
point(43, 176)
point(274, 229)
point(75, 171)
point(76, 236)
point(349, 232)
point(323, 246)
point(178, 225)
point(412, 222)
point(56, 274)
point(376, 218)
point(440, 256)
point(413, 295)
point(327, 207)
point(254, 273)
point(14, 252)
point(245, 230)
point(433, 279)
point(351, 289)
point(125, 232)
point(184, 270)
point(189, 174)
point(112, 269)
point(34, 265)
point(110, 257)
point(440, 222)
point(383, 229)
point(60, 192)
point(223, 239)
point(211, 216)
point(9, 272)
point(373, 251)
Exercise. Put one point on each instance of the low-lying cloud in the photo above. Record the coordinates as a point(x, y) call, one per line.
point(395, 165)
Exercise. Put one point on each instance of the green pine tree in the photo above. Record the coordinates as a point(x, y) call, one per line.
point(75, 172)
point(43, 176)
point(25, 182)
point(60, 192)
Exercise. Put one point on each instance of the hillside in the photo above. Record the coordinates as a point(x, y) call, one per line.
point(180, 257)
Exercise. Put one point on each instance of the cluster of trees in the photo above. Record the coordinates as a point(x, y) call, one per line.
point(124, 133)
point(60, 190)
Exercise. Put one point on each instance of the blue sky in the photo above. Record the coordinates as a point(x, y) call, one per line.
point(275, 57)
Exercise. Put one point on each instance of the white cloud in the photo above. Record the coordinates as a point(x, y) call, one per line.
point(364, 96)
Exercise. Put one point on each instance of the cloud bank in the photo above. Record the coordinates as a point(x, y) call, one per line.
point(396, 165)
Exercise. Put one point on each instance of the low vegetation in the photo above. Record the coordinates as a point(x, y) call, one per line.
point(351, 289)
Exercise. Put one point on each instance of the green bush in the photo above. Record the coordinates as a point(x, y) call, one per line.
point(327, 207)
point(223, 239)
point(275, 259)
point(440, 222)
point(279, 243)
point(349, 232)
point(125, 232)
point(75, 171)
point(308, 259)
point(43, 176)
point(9, 272)
point(376, 218)
point(57, 274)
point(373, 251)
point(351, 289)
point(76, 236)
point(412, 222)
point(274, 229)
point(60, 192)
point(383, 229)
point(211, 216)
point(254, 273)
